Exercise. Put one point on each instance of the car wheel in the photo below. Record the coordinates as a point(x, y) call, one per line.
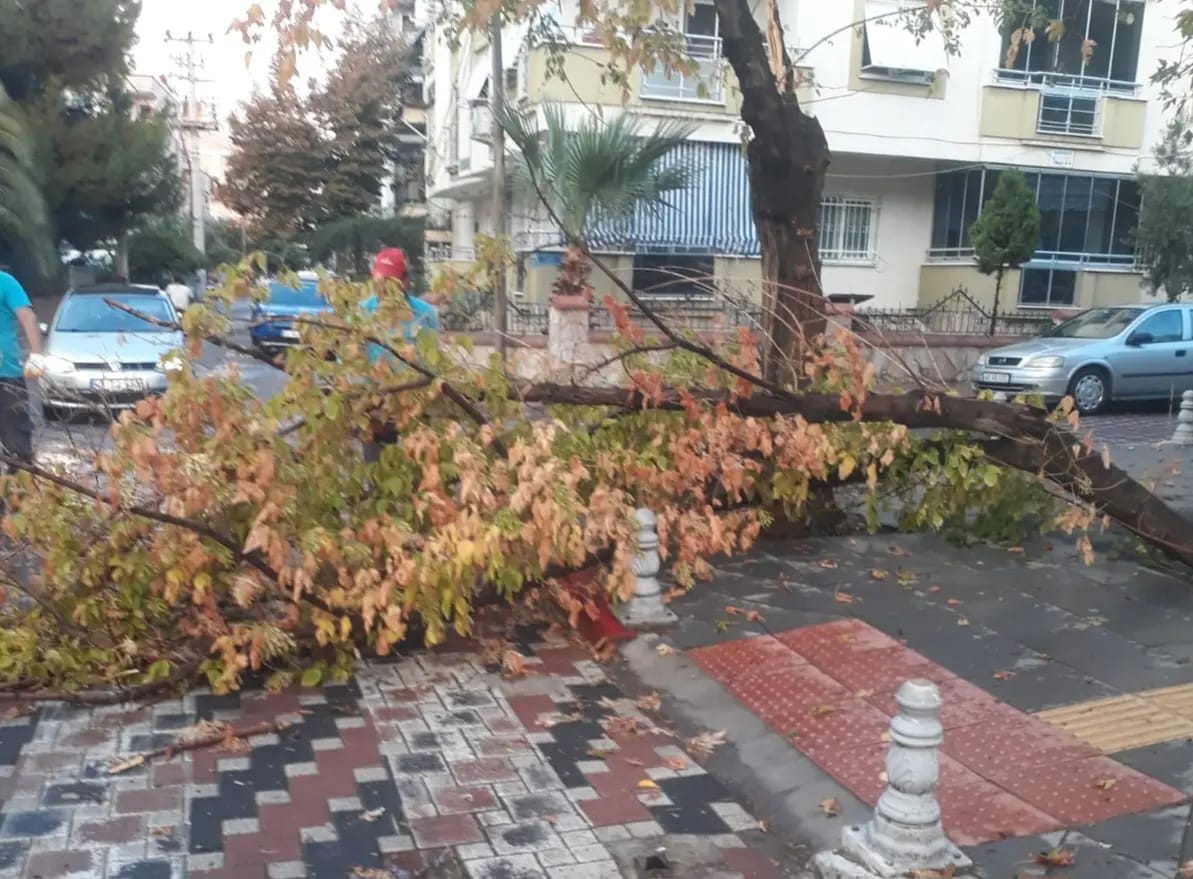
point(1090, 390)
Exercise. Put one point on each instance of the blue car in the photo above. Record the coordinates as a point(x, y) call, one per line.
point(273, 325)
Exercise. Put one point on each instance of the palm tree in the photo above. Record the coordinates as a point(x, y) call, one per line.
point(600, 172)
point(23, 216)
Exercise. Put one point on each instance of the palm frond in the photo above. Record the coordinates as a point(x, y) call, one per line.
point(599, 171)
point(23, 214)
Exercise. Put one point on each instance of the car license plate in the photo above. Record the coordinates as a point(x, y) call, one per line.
point(117, 385)
point(289, 334)
point(996, 378)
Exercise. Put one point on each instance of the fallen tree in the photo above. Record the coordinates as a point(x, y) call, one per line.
point(222, 535)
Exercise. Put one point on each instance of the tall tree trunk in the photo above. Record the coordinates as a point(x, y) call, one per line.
point(788, 158)
point(997, 296)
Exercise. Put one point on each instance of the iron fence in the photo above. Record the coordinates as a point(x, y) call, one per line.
point(957, 314)
point(694, 315)
point(522, 319)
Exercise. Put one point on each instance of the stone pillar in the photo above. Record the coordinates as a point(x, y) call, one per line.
point(567, 335)
point(905, 834)
point(645, 608)
point(1184, 421)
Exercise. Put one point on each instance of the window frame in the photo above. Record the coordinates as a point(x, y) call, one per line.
point(1083, 80)
point(839, 255)
point(699, 287)
point(1049, 302)
point(1114, 220)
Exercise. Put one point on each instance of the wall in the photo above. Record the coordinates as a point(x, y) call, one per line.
point(938, 280)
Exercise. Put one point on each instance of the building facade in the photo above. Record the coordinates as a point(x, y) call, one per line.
point(919, 134)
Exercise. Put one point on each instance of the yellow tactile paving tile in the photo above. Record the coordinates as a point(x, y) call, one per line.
point(1122, 723)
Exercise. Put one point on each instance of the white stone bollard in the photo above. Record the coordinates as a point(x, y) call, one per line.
point(645, 607)
point(905, 834)
point(1184, 421)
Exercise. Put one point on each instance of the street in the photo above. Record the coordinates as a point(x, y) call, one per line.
point(67, 442)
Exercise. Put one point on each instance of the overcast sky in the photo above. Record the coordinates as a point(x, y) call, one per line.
point(231, 81)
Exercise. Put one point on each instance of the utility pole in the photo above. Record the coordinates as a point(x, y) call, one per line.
point(193, 125)
point(497, 106)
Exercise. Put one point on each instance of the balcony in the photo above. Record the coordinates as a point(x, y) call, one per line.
point(1067, 112)
point(706, 85)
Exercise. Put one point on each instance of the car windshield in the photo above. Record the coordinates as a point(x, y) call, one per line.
point(91, 313)
point(1097, 323)
point(303, 296)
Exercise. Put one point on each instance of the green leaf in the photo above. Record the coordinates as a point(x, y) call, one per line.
point(312, 677)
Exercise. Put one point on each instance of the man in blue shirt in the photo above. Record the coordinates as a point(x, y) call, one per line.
point(389, 271)
point(16, 319)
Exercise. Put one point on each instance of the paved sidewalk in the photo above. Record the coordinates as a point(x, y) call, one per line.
point(433, 766)
point(1069, 692)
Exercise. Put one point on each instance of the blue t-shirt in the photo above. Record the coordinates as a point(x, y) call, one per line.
point(423, 317)
point(12, 298)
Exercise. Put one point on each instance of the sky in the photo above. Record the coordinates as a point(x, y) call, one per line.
point(231, 81)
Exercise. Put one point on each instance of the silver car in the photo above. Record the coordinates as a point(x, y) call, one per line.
point(1125, 352)
point(99, 358)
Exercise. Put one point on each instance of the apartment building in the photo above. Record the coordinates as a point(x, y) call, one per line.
point(919, 136)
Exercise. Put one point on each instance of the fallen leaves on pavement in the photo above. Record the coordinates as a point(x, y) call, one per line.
point(1002, 675)
point(704, 744)
point(843, 597)
point(822, 710)
point(830, 807)
point(879, 574)
point(828, 563)
point(650, 702)
point(897, 551)
point(647, 784)
point(372, 815)
point(677, 764)
point(962, 619)
point(752, 616)
point(664, 650)
point(1057, 857)
point(621, 726)
point(1105, 783)
point(954, 602)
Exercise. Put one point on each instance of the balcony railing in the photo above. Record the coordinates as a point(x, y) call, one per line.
point(1066, 81)
point(705, 85)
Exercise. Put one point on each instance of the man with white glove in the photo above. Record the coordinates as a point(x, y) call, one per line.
point(17, 319)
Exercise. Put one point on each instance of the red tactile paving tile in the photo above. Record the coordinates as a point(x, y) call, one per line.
point(1008, 743)
point(964, 704)
point(884, 669)
point(728, 661)
point(1088, 791)
point(558, 660)
point(529, 709)
point(1002, 773)
point(830, 643)
point(621, 809)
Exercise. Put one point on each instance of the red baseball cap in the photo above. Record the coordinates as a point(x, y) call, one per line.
point(390, 263)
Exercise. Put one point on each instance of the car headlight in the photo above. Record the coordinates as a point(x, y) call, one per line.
point(52, 363)
point(1049, 362)
point(170, 363)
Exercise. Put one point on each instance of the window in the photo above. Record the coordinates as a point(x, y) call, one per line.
point(1112, 28)
point(1083, 219)
point(846, 230)
point(1069, 112)
point(1164, 326)
point(702, 20)
point(891, 48)
point(1048, 287)
point(674, 275)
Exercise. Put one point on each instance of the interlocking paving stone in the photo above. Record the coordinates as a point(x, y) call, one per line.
point(410, 759)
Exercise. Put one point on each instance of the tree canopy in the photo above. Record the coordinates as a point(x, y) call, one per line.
point(1164, 234)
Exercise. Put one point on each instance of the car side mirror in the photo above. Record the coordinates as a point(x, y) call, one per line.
point(1137, 339)
point(44, 327)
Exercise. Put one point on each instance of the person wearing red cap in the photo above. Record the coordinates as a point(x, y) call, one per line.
point(390, 275)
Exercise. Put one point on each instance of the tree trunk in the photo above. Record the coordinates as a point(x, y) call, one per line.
point(1029, 442)
point(788, 158)
point(121, 267)
point(997, 296)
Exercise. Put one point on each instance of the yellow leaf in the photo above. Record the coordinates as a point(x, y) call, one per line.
point(878, 574)
point(647, 784)
point(830, 807)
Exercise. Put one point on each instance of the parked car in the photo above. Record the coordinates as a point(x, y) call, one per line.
point(99, 358)
point(273, 320)
point(1103, 355)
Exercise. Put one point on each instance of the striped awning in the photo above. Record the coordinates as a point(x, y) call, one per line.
point(711, 216)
